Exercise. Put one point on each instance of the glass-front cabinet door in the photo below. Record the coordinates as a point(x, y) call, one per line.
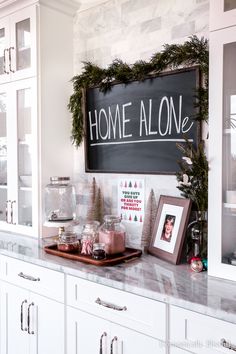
point(222, 154)
point(18, 156)
point(4, 50)
point(18, 45)
point(222, 14)
point(3, 153)
point(24, 124)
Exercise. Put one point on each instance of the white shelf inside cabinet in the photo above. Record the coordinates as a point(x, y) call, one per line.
point(230, 131)
point(229, 205)
point(26, 189)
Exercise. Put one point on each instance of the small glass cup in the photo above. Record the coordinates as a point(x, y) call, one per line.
point(99, 251)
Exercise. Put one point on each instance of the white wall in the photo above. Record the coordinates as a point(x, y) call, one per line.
point(131, 30)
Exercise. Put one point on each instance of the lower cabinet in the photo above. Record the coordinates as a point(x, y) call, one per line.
point(175, 350)
point(30, 323)
point(104, 320)
point(197, 333)
point(32, 309)
point(87, 333)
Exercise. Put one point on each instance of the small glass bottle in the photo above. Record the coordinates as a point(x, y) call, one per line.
point(112, 233)
point(60, 203)
point(99, 251)
point(89, 236)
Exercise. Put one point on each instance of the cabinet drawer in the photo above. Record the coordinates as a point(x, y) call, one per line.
point(199, 333)
point(132, 311)
point(32, 277)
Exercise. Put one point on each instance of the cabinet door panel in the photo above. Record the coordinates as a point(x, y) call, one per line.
point(86, 333)
point(22, 51)
point(222, 115)
point(126, 341)
point(222, 14)
point(16, 335)
point(4, 50)
point(175, 350)
point(200, 333)
point(47, 322)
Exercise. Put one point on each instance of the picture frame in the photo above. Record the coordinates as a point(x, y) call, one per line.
point(169, 228)
point(166, 103)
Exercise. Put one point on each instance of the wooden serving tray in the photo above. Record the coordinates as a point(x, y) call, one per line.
point(128, 255)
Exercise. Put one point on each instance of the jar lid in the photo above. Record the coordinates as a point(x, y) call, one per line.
point(59, 179)
point(99, 245)
point(112, 219)
point(91, 224)
point(68, 236)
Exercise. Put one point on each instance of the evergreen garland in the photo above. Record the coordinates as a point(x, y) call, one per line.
point(192, 52)
point(193, 177)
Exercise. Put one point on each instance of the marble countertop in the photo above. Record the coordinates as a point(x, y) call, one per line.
point(147, 276)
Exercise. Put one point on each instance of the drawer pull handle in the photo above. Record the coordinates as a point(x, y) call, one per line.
point(112, 341)
point(10, 58)
point(6, 211)
point(103, 335)
point(28, 319)
point(28, 277)
point(12, 221)
point(4, 61)
point(110, 306)
point(227, 345)
point(22, 316)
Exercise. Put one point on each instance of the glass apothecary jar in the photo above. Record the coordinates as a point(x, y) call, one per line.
point(89, 236)
point(112, 233)
point(68, 242)
point(60, 202)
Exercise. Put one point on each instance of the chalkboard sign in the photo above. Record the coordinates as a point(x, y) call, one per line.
point(134, 127)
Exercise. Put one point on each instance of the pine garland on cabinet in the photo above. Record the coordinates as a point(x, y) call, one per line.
point(192, 52)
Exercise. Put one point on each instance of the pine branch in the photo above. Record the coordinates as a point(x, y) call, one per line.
point(192, 52)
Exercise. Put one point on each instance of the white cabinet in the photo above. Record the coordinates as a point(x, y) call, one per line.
point(32, 318)
point(36, 66)
point(222, 148)
point(87, 333)
point(18, 45)
point(199, 333)
point(105, 320)
point(175, 350)
point(222, 14)
point(19, 178)
point(33, 323)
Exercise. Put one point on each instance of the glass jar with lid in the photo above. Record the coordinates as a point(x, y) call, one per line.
point(112, 233)
point(60, 203)
point(68, 242)
point(89, 236)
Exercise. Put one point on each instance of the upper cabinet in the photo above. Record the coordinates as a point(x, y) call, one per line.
point(222, 146)
point(18, 45)
point(36, 66)
point(222, 14)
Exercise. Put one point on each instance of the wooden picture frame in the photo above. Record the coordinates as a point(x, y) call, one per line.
point(169, 228)
point(134, 127)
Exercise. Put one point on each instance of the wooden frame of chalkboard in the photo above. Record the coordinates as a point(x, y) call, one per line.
point(134, 127)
